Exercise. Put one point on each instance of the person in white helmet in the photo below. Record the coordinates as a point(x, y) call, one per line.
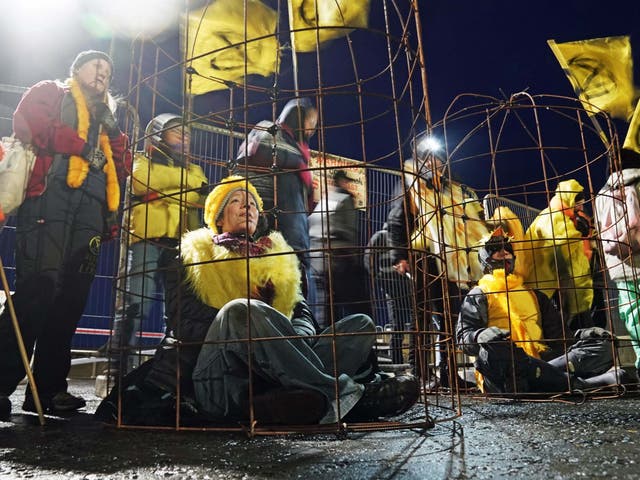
point(167, 195)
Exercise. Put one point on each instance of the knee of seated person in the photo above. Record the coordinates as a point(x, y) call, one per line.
point(239, 309)
point(358, 322)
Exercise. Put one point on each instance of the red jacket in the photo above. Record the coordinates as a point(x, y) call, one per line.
point(37, 121)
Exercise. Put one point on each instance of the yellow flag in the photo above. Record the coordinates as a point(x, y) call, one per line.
point(330, 13)
point(600, 71)
point(632, 140)
point(216, 43)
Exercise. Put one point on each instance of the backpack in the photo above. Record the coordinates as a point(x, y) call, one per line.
point(15, 170)
point(618, 214)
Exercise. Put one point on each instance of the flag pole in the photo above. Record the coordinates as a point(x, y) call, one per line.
point(294, 55)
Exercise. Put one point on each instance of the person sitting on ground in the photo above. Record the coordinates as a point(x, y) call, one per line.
point(227, 287)
point(516, 336)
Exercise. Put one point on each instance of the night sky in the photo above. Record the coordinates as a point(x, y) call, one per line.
point(492, 48)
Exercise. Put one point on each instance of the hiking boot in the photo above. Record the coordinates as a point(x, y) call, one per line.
point(386, 398)
point(5, 408)
point(289, 407)
point(60, 402)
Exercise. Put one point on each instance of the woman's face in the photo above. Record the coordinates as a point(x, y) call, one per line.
point(178, 139)
point(94, 76)
point(240, 214)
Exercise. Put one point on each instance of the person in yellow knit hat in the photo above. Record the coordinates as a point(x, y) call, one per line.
point(226, 287)
point(71, 205)
point(516, 334)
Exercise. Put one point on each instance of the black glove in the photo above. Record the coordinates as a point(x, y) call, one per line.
point(592, 332)
point(96, 158)
point(266, 292)
point(492, 334)
point(205, 189)
point(583, 225)
point(107, 120)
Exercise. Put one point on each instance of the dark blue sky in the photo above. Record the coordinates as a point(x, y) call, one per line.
point(488, 46)
point(484, 47)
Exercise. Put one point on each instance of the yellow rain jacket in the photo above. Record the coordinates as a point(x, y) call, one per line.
point(159, 191)
point(555, 255)
point(449, 225)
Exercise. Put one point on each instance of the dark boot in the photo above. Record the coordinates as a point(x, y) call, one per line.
point(613, 377)
point(386, 397)
point(544, 377)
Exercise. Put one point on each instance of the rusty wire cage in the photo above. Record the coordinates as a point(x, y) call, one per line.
point(368, 85)
point(514, 152)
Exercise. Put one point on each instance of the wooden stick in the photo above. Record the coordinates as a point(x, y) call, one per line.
point(23, 351)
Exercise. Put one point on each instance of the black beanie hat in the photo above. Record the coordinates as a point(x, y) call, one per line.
point(87, 56)
point(629, 158)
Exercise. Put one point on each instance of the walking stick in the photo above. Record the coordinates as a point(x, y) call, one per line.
point(23, 351)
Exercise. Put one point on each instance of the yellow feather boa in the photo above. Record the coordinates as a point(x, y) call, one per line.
point(219, 275)
point(515, 308)
point(78, 166)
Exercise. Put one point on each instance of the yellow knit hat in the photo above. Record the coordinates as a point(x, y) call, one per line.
point(219, 196)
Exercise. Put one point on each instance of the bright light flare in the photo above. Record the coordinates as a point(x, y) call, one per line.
point(430, 144)
point(145, 18)
point(36, 21)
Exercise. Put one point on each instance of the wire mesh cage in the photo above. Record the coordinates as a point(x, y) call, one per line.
point(367, 89)
point(546, 159)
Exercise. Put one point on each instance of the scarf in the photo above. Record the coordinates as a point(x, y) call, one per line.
point(240, 244)
point(78, 166)
point(515, 308)
point(219, 269)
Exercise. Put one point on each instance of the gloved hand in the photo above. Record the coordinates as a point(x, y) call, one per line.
point(492, 334)
point(105, 117)
point(205, 188)
point(583, 225)
point(111, 226)
point(94, 156)
point(592, 332)
point(266, 292)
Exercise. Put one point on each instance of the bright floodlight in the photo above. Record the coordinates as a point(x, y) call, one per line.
point(430, 144)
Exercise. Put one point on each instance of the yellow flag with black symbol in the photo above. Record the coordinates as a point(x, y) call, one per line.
point(314, 22)
point(600, 71)
point(219, 46)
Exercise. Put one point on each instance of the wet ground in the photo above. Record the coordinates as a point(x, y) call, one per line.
point(491, 440)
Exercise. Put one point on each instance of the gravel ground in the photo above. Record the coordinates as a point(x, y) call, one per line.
point(491, 440)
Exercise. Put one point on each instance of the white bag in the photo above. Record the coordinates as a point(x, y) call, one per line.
point(15, 170)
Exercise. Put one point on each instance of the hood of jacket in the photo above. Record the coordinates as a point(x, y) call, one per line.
point(293, 115)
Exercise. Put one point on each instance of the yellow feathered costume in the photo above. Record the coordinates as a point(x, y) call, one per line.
point(219, 275)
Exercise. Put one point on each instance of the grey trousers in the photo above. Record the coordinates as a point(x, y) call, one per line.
point(221, 376)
